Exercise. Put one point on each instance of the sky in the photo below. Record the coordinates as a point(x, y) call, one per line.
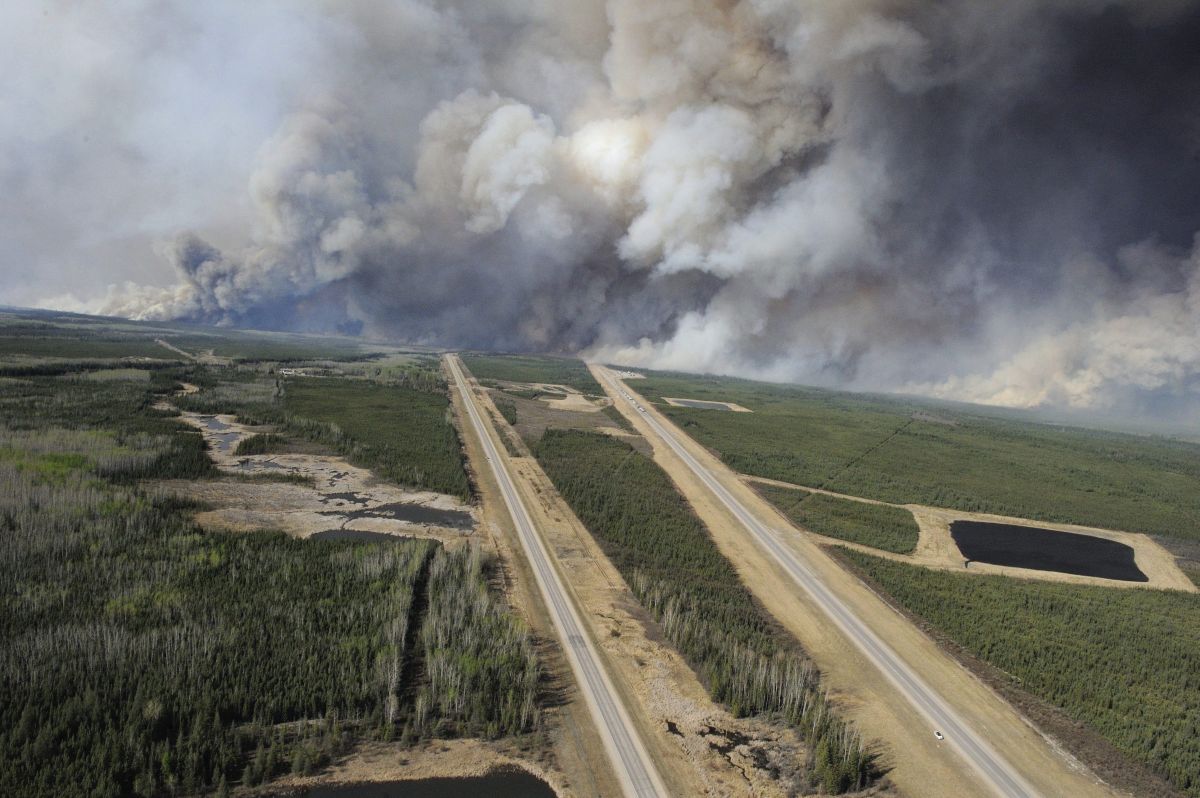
point(996, 203)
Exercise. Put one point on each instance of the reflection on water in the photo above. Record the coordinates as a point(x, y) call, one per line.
point(507, 783)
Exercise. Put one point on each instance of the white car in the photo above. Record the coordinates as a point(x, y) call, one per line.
point(939, 735)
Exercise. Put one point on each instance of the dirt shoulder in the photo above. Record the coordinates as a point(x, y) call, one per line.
point(578, 757)
point(389, 762)
point(1096, 752)
point(919, 764)
point(699, 747)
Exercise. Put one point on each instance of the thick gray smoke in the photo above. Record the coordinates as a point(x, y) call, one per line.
point(992, 202)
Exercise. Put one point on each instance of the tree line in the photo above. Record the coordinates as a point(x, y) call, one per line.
point(141, 655)
point(676, 571)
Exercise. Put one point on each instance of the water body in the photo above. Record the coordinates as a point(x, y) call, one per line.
point(358, 535)
point(420, 514)
point(506, 783)
point(700, 404)
point(1045, 550)
point(223, 437)
point(404, 511)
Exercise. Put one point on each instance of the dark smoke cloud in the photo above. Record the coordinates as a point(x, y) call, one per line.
point(988, 202)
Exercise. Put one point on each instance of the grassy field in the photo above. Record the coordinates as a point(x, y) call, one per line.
point(677, 573)
point(907, 452)
point(879, 525)
point(547, 369)
point(1124, 662)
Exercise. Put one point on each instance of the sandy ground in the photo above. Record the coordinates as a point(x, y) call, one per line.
point(433, 759)
point(683, 729)
point(919, 764)
point(341, 496)
point(679, 402)
point(575, 402)
point(936, 549)
point(207, 357)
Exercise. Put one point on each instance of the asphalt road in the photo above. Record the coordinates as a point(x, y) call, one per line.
point(992, 769)
point(626, 751)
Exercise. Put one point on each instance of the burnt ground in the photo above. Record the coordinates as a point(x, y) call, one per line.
point(1045, 550)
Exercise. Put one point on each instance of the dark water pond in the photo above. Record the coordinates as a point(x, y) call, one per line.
point(421, 514)
point(402, 511)
point(700, 404)
point(213, 423)
point(498, 784)
point(359, 535)
point(1045, 550)
point(224, 439)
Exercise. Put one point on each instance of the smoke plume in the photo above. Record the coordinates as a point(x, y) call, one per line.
point(990, 202)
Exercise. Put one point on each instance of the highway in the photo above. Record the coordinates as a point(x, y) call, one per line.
point(636, 772)
point(992, 769)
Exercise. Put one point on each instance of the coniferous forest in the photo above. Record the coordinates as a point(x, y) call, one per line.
point(1126, 662)
point(678, 574)
point(141, 655)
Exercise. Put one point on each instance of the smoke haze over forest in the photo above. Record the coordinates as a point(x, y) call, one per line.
point(989, 202)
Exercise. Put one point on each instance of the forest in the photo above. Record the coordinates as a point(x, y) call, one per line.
point(745, 660)
point(908, 452)
point(141, 655)
point(30, 334)
point(1125, 662)
point(547, 369)
point(879, 525)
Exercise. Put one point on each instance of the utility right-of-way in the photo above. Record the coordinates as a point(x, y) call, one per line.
point(992, 769)
point(633, 765)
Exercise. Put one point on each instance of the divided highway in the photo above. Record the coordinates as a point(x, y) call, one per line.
point(992, 769)
point(633, 766)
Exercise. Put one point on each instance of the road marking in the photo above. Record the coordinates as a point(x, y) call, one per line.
point(638, 776)
point(995, 771)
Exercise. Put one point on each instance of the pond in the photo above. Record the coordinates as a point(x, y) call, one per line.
point(505, 783)
point(401, 511)
point(1045, 550)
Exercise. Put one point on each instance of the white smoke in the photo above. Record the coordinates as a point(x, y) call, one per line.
point(883, 194)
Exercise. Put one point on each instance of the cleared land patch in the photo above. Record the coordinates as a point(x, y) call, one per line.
point(705, 404)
